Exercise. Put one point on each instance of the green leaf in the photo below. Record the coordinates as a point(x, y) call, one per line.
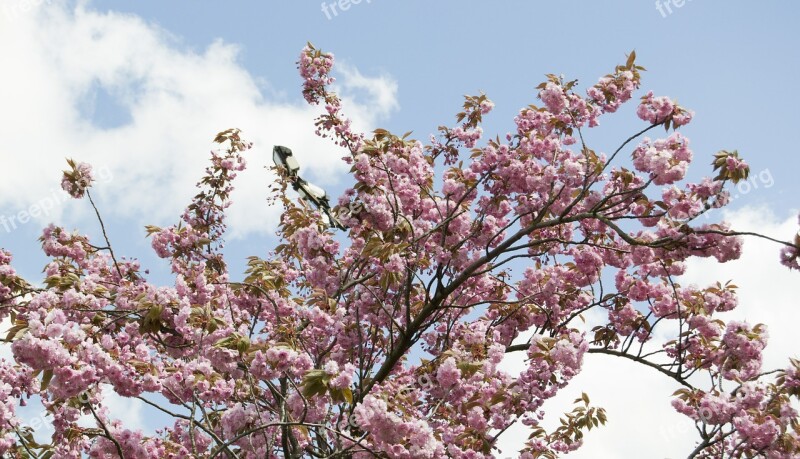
point(631, 59)
point(315, 382)
point(46, 377)
point(151, 322)
point(341, 395)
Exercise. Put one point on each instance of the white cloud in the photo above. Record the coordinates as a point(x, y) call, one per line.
point(61, 60)
point(176, 101)
point(642, 422)
point(382, 90)
point(768, 292)
point(126, 409)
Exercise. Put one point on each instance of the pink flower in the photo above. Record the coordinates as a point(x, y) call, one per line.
point(78, 180)
point(614, 90)
point(553, 97)
point(660, 109)
point(655, 109)
point(758, 435)
point(790, 257)
point(742, 346)
point(314, 68)
point(345, 378)
point(448, 373)
point(666, 160)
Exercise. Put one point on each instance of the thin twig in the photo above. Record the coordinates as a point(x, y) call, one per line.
point(103, 228)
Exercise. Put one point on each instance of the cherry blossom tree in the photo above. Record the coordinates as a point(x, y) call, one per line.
point(385, 339)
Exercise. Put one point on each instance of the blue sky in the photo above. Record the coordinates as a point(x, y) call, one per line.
point(138, 88)
point(730, 61)
point(733, 63)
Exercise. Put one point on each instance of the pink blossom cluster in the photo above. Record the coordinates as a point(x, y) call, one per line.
point(399, 438)
point(614, 90)
point(131, 443)
point(14, 382)
point(740, 356)
point(790, 257)
point(665, 160)
point(657, 110)
point(9, 276)
point(753, 420)
point(627, 320)
point(315, 67)
point(554, 98)
point(469, 137)
point(734, 163)
point(554, 361)
point(388, 339)
point(77, 180)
